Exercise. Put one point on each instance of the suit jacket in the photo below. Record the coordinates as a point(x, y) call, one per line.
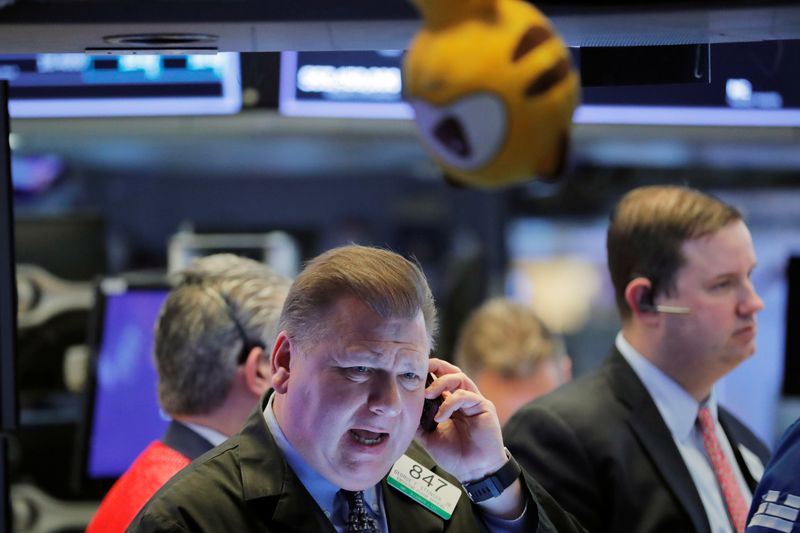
point(245, 484)
point(601, 448)
point(777, 496)
point(149, 471)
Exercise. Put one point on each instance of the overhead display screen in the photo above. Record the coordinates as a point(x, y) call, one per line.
point(741, 84)
point(81, 85)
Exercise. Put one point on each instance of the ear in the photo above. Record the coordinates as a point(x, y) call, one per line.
point(637, 292)
point(257, 373)
point(281, 359)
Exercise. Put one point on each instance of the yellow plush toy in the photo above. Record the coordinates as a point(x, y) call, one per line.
point(493, 90)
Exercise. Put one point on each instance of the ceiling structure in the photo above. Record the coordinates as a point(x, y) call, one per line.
point(42, 26)
point(266, 143)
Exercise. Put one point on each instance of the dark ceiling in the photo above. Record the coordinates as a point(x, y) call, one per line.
point(37, 26)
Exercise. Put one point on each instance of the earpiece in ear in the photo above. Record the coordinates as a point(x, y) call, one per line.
point(646, 303)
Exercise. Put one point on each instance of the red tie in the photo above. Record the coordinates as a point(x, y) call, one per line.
point(731, 492)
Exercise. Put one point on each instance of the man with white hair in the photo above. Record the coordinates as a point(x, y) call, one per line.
point(212, 367)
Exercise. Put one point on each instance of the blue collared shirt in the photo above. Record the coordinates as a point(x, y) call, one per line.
point(323, 491)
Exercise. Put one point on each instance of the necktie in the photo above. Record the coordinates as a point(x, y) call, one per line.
point(731, 493)
point(359, 519)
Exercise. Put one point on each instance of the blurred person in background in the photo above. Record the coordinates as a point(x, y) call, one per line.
point(213, 364)
point(511, 355)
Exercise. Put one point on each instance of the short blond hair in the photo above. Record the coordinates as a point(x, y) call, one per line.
point(390, 285)
point(506, 338)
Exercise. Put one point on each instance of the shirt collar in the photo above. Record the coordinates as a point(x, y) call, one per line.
point(676, 406)
point(322, 490)
point(211, 435)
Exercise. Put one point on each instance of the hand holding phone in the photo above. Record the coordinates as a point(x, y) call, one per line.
point(430, 408)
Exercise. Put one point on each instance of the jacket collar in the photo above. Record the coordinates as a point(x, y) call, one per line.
point(268, 480)
point(656, 439)
point(185, 441)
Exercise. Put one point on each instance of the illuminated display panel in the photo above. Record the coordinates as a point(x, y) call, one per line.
point(342, 84)
point(123, 382)
point(751, 84)
point(80, 85)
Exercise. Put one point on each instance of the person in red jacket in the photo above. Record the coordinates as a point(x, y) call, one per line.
point(212, 368)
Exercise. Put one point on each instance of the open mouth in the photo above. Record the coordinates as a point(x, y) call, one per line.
point(465, 134)
point(451, 135)
point(367, 438)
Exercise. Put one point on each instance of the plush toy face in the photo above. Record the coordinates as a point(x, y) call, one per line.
point(493, 90)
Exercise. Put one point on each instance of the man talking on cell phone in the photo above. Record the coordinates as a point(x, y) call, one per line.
point(641, 444)
point(331, 447)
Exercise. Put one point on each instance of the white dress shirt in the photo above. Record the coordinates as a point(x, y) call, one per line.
point(211, 435)
point(679, 411)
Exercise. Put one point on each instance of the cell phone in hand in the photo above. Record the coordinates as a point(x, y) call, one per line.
point(430, 408)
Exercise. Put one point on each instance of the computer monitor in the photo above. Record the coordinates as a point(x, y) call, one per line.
point(8, 288)
point(81, 253)
point(351, 84)
point(737, 84)
point(8, 307)
point(122, 412)
point(81, 85)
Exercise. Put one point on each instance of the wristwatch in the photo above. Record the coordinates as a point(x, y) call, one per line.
point(494, 484)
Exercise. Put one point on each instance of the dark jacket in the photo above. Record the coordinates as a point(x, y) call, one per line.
point(246, 485)
point(601, 448)
point(777, 498)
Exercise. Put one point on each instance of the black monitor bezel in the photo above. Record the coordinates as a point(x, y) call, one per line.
point(9, 400)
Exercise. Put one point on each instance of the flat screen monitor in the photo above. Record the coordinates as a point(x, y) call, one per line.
point(350, 84)
point(81, 253)
point(747, 84)
point(8, 307)
point(743, 84)
point(8, 286)
point(81, 85)
point(122, 412)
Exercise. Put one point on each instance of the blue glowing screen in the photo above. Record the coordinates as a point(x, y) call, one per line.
point(126, 414)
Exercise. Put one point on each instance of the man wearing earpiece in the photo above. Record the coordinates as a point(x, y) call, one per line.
point(641, 445)
point(212, 367)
